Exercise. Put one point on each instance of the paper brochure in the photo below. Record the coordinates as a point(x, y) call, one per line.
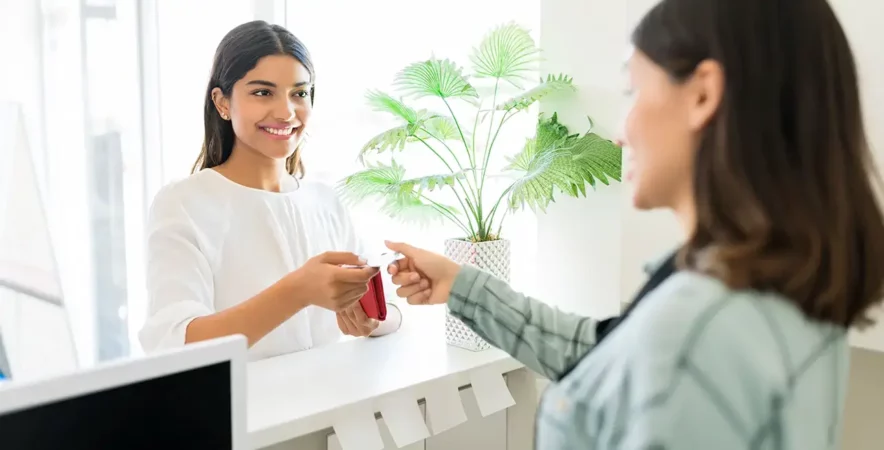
point(404, 419)
point(444, 407)
point(491, 391)
point(357, 429)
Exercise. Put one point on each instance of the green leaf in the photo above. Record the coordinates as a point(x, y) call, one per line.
point(380, 101)
point(431, 182)
point(554, 160)
point(412, 209)
point(550, 133)
point(435, 78)
point(439, 127)
point(401, 197)
point(374, 180)
point(507, 53)
point(595, 158)
point(435, 127)
point(392, 139)
point(553, 83)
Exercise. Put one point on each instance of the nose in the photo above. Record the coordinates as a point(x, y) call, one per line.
point(285, 110)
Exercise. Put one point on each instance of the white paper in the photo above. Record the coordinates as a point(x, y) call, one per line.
point(357, 429)
point(491, 391)
point(444, 407)
point(404, 418)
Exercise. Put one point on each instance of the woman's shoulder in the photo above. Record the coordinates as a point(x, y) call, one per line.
point(319, 189)
point(188, 195)
point(693, 316)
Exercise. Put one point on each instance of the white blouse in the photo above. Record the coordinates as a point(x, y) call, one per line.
point(213, 243)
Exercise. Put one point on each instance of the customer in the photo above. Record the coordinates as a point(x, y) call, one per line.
point(745, 122)
point(243, 245)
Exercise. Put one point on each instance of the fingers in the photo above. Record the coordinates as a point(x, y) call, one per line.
point(401, 247)
point(406, 278)
point(340, 258)
point(402, 265)
point(363, 325)
point(355, 275)
point(412, 289)
point(345, 325)
point(420, 298)
point(357, 314)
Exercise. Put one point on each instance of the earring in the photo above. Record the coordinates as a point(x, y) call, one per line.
point(224, 116)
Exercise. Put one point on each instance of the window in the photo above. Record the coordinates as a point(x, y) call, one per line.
point(83, 113)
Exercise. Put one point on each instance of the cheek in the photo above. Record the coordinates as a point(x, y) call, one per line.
point(304, 112)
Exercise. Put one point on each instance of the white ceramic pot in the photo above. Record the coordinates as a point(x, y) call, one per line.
point(492, 257)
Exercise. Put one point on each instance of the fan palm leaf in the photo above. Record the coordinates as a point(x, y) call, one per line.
point(392, 139)
point(381, 101)
point(507, 53)
point(435, 78)
point(555, 160)
point(552, 84)
point(401, 197)
point(439, 127)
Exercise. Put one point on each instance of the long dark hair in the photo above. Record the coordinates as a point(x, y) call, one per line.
point(783, 177)
point(237, 54)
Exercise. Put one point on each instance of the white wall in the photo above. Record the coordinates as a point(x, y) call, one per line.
point(865, 398)
point(578, 240)
point(591, 250)
point(861, 21)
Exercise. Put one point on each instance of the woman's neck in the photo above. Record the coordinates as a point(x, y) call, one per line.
point(252, 169)
point(686, 213)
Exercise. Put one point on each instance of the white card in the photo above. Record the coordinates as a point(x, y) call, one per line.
point(357, 429)
point(444, 407)
point(403, 418)
point(491, 391)
point(381, 260)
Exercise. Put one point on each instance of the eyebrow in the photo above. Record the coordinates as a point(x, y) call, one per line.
point(273, 85)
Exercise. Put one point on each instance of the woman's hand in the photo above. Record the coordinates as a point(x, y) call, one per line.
point(321, 281)
point(353, 321)
point(424, 277)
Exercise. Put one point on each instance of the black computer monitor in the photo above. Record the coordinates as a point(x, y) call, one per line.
point(193, 398)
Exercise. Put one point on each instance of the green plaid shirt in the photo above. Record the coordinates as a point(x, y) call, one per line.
point(696, 366)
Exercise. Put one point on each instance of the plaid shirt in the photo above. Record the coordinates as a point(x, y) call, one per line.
point(696, 366)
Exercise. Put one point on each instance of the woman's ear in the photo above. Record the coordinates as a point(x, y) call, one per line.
point(706, 89)
point(222, 104)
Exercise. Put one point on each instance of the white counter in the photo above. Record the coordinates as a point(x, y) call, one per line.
point(302, 393)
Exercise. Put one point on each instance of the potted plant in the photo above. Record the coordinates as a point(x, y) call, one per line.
point(552, 160)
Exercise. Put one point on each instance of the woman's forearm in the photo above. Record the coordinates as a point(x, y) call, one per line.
point(254, 318)
point(542, 337)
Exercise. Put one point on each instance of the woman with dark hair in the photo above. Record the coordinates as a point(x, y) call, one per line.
point(745, 122)
point(245, 245)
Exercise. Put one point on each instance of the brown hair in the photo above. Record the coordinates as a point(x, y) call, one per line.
point(783, 175)
point(239, 52)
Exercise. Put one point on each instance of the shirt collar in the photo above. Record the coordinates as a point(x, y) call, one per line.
point(651, 266)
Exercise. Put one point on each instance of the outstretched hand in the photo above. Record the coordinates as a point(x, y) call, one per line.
point(423, 277)
point(323, 282)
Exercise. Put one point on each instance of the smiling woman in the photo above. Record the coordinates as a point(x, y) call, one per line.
point(243, 246)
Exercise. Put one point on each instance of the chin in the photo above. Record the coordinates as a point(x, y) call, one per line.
point(640, 199)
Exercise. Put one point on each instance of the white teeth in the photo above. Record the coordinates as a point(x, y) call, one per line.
point(279, 131)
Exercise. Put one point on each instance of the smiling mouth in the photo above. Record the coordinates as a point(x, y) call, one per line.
point(281, 131)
